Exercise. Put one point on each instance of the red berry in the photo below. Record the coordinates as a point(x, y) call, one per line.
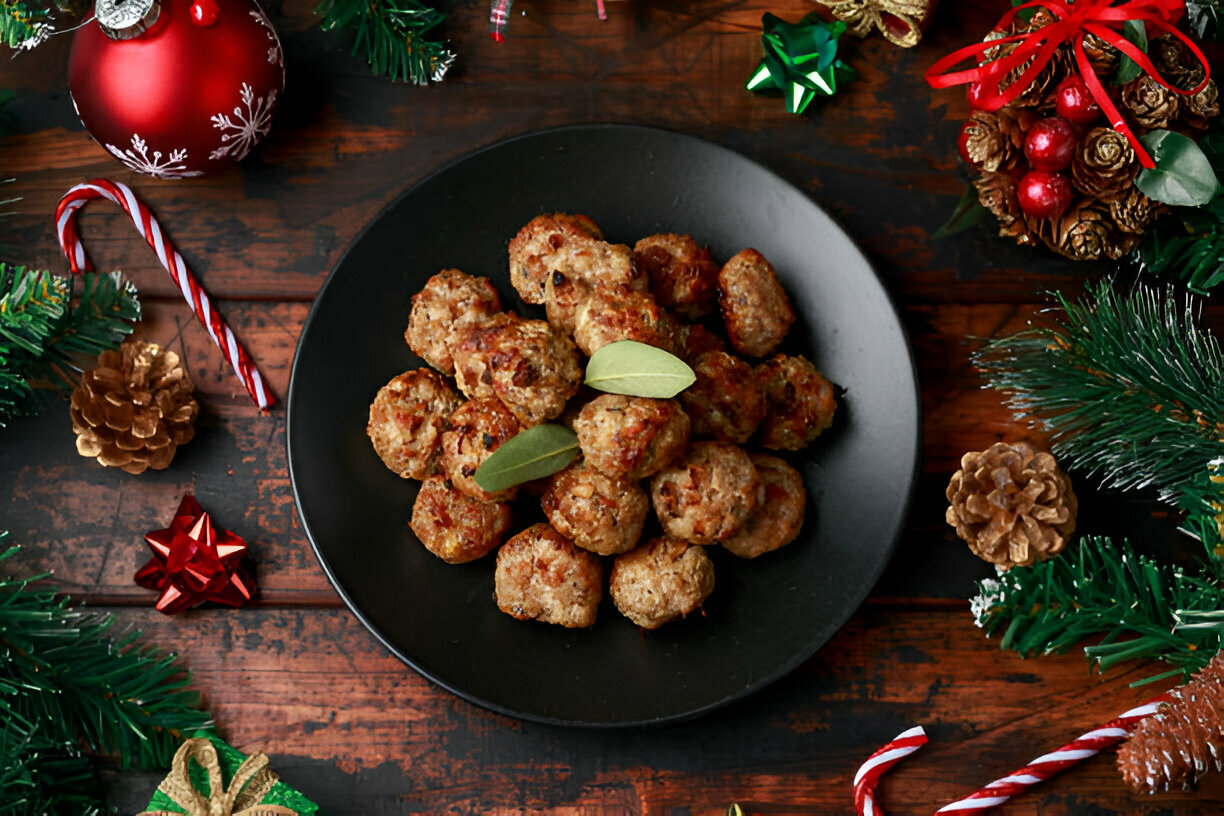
point(962, 145)
point(1044, 195)
point(975, 93)
point(1073, 101)
point(1050, 144)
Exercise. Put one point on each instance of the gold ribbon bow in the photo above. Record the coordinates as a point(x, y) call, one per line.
point(897, 20)
point(251, 782)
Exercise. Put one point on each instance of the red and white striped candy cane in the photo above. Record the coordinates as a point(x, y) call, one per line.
point(1043, 767)
point(147, 226)
point(904, 744)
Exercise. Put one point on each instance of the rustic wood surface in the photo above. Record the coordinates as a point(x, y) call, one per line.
point(299, 677)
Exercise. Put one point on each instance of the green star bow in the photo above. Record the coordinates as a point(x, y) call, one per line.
point(800, 60)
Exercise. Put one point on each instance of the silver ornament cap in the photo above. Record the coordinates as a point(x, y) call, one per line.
point(126, 19)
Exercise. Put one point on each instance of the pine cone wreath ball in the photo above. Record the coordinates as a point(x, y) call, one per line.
point(1012, 505)
point(135, 408)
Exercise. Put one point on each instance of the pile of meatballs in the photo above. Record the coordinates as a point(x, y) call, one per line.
point(511, 373)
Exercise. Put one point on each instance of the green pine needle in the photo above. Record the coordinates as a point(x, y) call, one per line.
point(44, 338)
point(1140, 610)
point(1203, 17)
point(70, 687)
point(23, 24)
point(392, 34)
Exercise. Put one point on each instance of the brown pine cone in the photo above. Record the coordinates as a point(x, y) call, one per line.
point(1197, 109)
point(1151, 104)
point(1134, 212)
point(1104, 165)
point(1011, 504)
point(986, 146)
point(1103, 56)
point(1084, 232)
point(997, 193)
point(1185, 737)
point(135, 408)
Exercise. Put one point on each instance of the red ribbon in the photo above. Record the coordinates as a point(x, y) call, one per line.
point(1072, 21)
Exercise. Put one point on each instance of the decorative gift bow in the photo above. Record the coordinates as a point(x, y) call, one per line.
point(250, 784)
point(1072, 21)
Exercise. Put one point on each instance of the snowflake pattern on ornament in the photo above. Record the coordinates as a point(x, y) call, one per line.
point(246, 128)
point(137, 157)
point(275, 56)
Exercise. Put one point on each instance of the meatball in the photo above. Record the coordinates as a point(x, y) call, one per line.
point(694, 340)
point(407, 418)
point(617, 312)
point(631, 437)
point(755, 309)
point(474, 431)
point(681, 274)
point(527, 364)
point(567, 289)
point(450, 302)
point(726, 402)
point(597, 512)
point(542, 576)
point(799, 402)
point(782, 501)
point(455, 527)
point(706, 497)
point(660, 581)
point(570, 245)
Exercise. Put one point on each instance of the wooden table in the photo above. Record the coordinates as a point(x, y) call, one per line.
point(296, 675)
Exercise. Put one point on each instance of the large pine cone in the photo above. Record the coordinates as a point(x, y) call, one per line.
point(1104, 165)
point(1011, 504)
point(135, 408)
point(1151, 104)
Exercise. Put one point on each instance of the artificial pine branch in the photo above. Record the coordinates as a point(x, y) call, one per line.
point(25, 24)
point(393, 35)
point(42, 334)
point(1140, 609)
point(69, 687)
point(1203, 17)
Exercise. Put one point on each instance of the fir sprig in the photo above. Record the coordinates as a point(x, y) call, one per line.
point(1129, 388)
point(1141, 610)
point(43, 335)
point(70, 687)
point(393, 35)
point(1203, 17)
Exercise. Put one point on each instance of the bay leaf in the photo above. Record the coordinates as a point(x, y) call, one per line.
point(638, 370)
point(531, 454)
point(1183, 176)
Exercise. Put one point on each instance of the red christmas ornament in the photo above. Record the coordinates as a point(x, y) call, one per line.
point(176, 88)
point(1044, 195)
point(1049, 144)
point(194, 562)
point(1073, 101)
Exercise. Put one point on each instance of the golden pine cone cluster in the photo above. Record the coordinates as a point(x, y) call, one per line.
point(1012, 505)
point(1107, 215)
point(135, 408)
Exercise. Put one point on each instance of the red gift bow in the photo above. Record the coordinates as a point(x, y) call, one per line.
point(1072, 21)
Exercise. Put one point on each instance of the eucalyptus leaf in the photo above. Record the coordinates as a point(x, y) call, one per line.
point(1183, 176)
point(1128, 69)
point(531, 454)
point(638, 370)
point(969, 212)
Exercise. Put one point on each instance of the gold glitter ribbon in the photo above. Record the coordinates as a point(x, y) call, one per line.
point(897, 20)
point(251, 783)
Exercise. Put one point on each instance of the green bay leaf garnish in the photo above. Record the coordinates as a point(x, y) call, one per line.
point(531, 454)
point(638, 370)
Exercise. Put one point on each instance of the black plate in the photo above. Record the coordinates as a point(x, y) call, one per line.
point(765, 616)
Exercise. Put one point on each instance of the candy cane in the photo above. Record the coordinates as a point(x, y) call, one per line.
point(904, 744)
point(147, 226)
point(1044, 767)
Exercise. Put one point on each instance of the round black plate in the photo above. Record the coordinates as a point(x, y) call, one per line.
point(765, 616)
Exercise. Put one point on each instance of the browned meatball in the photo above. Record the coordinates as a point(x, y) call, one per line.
point(407, 418)
point(569, 246)
point(597, 512)
point(694, 340)
point(617, 312)
point(799, 402)
point(542, 576)
point(660, 581)
point(631, 437)
point(455, 527)
point(450, 303)
point(475, 430)
point(780, 515)
point(681, 274)
point(706, 496)
point(527, 364)
point(755, 308)
point(567, 290)
point(726, 402)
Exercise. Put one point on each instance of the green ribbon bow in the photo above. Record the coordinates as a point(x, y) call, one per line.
point(800, 60)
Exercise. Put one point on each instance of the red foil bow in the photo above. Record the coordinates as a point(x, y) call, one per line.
point(1072, 21)
point(194, 562)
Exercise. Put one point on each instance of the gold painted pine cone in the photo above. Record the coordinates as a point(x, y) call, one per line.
point(1012, 505)
point(1104, 165)
point(135, 408)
